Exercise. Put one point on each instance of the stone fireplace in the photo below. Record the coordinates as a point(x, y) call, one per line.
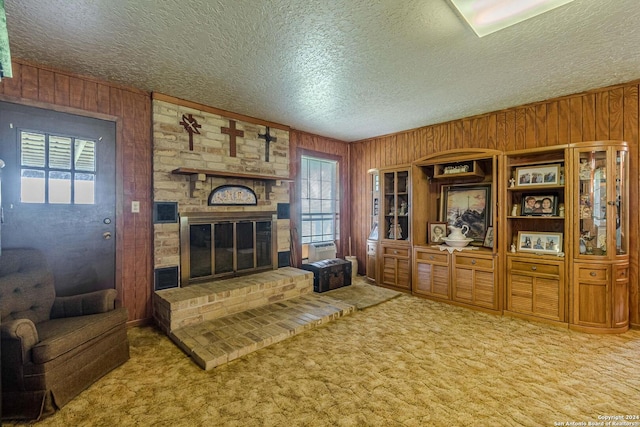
point(210, 241)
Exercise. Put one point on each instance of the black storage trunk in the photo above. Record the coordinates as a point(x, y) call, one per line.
point(329, 274)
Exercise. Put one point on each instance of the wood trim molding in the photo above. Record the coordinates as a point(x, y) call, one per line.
point(59, 108)
point(218, 111)
point(80, 76)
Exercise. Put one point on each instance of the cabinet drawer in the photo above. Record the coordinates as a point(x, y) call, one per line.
point(474, 262)
point(535, 268)
point(593, 273)
point(431, 257)
point(401, 252)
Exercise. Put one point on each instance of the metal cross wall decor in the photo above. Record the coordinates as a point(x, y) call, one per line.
point(190, 125)
point(267, 139)
point(232, 132)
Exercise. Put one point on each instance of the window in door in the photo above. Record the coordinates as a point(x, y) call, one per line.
point(320, 201)
point(56, 169)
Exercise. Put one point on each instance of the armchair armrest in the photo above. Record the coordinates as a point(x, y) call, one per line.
point(19, 333)
point(84, 304)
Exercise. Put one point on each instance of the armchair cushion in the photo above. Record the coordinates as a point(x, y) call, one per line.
point(84, 304)
point(60, 336)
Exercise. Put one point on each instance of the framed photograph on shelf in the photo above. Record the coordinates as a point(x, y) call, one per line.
point(538, 175)
point(488, 238)
point(540, 242)
point(468, 205)
point(437, 232)
point(539, 204)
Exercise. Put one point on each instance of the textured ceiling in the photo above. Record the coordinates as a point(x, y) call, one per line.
point(348, 69)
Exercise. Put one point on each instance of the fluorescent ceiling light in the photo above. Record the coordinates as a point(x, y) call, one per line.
point(488, 16)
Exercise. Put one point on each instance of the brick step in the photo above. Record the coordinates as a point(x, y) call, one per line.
point(180, 307)
point(215, 342)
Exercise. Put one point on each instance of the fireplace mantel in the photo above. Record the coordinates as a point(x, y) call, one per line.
point(226, 174)
point(200, 175)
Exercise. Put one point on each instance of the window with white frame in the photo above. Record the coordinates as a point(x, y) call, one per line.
point(56, 169)
point(320, 200)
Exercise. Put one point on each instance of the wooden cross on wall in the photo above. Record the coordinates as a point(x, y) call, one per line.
point(233, 133)
point(190, 125)
point(267, 139)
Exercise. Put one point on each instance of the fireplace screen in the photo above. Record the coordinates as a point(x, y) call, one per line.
point(215, 246)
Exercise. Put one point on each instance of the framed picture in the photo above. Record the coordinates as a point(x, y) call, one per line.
point(437, 232)
point(539, 204)
point(488, 238)
point(537, 175)
point(468, 205)
point(540, 242)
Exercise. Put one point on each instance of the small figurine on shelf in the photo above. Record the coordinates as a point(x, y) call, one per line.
point(514, 209)
point(585, 169)
point(585, 206)
point(512, 182)
point(403, 209)
point(395, 230)
point(561, 210)
point(513, 248)
point(561, 176)
point(392, 209)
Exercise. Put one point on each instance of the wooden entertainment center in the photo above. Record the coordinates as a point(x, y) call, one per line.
point(550, 230)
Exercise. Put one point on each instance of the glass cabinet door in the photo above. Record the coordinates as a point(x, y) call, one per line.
point(602, 222)
point(619, 205)
point(395, 188)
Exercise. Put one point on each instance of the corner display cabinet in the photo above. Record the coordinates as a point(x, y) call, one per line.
point(394, 228)
point(456, 188)
point(566, 235)
point(600, 240)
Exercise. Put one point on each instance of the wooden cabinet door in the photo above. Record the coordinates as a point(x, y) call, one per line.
point(396, 267)
point(620, 297)
point(431, 274)
point(591, 298)
point(536, 288)
point(474, 281)
point(371, 261)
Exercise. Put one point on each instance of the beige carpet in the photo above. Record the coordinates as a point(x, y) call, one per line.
point(404, 362)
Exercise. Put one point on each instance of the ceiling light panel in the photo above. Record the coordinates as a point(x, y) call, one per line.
point(488, 16)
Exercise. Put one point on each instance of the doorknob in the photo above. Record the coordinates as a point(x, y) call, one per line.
point(106, 235)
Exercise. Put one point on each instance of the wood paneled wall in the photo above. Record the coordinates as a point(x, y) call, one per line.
point(301, 143)
point(131, 110)
point(608, 113)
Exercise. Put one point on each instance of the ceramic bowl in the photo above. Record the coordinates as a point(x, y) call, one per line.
point(457, 243)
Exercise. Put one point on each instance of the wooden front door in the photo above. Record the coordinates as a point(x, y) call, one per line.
point(58, 193)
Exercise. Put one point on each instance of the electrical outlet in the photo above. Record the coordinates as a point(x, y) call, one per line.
point(135, 206)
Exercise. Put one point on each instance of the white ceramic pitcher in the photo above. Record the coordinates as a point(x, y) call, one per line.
point(458, 233)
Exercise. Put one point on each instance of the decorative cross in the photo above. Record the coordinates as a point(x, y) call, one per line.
point(190, 125)
point(267, 139)
point(232, 132)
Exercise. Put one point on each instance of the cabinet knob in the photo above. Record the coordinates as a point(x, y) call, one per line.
point(534, 268)
point(592, 274)
point(395, 252)
point(473, 262)
point(431, 257)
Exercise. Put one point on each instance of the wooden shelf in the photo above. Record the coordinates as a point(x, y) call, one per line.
point(208, 172)
point(536, 188)
point(473, 170)
point(535, 217)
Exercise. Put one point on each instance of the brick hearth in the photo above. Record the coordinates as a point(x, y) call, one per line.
point(216, 322)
